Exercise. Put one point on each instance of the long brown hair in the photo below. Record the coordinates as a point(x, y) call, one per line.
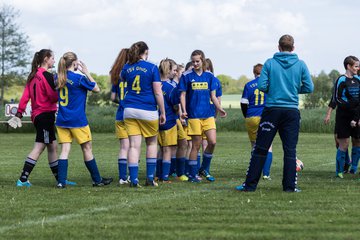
point(136, 50)
point(119, 63)
point(64, 63)
point(38, 59)
point(202, 57)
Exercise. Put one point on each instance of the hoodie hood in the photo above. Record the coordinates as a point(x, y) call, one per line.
point(286, 59)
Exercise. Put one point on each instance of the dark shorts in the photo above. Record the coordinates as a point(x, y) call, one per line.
point(45, 127)
point(342, 125)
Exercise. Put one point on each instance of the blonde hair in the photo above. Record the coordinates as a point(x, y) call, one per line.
point(165, 67)
point(64, 63)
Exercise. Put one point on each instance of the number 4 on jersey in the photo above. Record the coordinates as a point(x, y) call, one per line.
point(136, 84)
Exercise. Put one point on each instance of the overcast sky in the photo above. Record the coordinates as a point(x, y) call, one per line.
point(235, 34)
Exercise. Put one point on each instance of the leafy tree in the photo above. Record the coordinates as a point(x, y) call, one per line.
point(103, 97)
point(14, 48)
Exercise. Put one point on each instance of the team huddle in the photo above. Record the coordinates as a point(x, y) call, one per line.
point(165, 105)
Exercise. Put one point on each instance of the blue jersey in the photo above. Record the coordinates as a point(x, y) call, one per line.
point(218, 93)
point(254, 98)
point(120, 91)
point(72, 101)
point(171, 99)
point(197, 90)
point(140, 77)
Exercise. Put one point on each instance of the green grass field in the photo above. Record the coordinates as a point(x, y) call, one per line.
point(325, 209)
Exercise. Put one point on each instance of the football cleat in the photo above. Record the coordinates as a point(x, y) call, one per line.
point(266, 177)
point(151, 183)
point(296, 190)
point(70, 183)
point(103, 182)
point(182, 178)
point(194, 180)
point(60, 185)
point(206, 174)
point(241, 188)
point(23, 184)
point(122, 182)
point(340, 175)
point(134, 185)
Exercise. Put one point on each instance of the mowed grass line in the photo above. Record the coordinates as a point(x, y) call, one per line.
point(326, 209)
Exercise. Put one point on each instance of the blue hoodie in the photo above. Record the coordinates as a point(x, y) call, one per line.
point(283, 77)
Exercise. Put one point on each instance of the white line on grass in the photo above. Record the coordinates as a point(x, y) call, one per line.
point(84, 212)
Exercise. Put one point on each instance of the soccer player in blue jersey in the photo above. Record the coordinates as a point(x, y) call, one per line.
point(252, 105)
point(141, 115)
point(118, 91)
point(168, 132)
point(282, 78)
point(71, 121)
point(197, 88)
point(347, 115)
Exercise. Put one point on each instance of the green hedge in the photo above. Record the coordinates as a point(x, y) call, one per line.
point(101, 119)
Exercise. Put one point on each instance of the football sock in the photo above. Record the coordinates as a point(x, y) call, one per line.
point(206, 161)
point(187, 167)
point(122, 165)
point(54, 168)
point(94, 171)
point(28, 167)
point(340, 161)
point(165, 170)
point(180, 166)
point(355, 155)
point(198, 163)
point(150, 168)
point(173, 165)
point(347, 158)
point(267, 165)
point(159, 168)
point(62, 171)
point(133, 172)
point(192, 168)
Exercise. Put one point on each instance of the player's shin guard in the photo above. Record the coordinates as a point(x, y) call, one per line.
point(150, 168)
point(62, 171)
point(198, 161)
point(28, 167)
point(173, 165)
point(165, 170)
point(94, 171)
point(206, 161)
point(340, 161)
point(122, 165)
point(133, 172)
point(159, 168)
point(192, 168)
point(355, 155)
point(267, 166)
point(54, 168)
point(180, 166)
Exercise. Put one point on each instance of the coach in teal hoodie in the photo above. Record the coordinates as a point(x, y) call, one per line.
point(283, 78)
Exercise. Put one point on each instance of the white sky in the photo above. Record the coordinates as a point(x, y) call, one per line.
point(235, 34)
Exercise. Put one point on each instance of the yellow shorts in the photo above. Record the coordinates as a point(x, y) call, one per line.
point(181, 134)
point(186, 129)
point(198, 126)
point(146, 128)
point(120, 130)
point(81, 135)
point(252, 125)
point(168, 137)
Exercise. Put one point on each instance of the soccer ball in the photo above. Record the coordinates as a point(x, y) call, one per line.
point(299, 165)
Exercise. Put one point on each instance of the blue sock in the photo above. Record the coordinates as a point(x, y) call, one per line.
point(340, 161)
point(198, 162)
point(192, 168)
point(159, 168)
point(62, 171)
point(355, 155)
point(133, 172)
point(122, 165)
point(165, 170)
point(267, 165)
point(94, 171)
point(347, 158)
point(206, 161)
point(150, 168)
point(187, 167)
point(180, 166)
point(173, 166)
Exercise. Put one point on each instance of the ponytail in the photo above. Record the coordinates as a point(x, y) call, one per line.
point(136, 50)
point(64, 63)
point(119, 63)
point(38, 59)
point(165, 67)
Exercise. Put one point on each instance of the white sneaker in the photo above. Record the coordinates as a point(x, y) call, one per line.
point(122, 182)
point(266, 177)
